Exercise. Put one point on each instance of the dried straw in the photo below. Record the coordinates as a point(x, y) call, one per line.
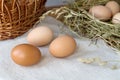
point(77, 18)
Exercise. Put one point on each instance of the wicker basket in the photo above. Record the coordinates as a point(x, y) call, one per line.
point(18, 16)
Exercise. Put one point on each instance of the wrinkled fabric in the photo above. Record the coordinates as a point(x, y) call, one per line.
point(51, 68)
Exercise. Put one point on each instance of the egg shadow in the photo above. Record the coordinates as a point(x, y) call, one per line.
point(41, 63)
point(82, 51)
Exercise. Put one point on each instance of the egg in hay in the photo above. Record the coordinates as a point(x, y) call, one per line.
point(101, 12)
point(116, 18)
point(113, 6)
point(62, 46)
point(40, 36)
point(25, 54)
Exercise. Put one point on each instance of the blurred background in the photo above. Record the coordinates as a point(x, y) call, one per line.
point(57, 2)
point(61, 2)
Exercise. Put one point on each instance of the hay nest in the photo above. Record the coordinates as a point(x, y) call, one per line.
point(77, 18)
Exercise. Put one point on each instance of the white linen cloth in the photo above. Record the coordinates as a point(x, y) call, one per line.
point(51, 68)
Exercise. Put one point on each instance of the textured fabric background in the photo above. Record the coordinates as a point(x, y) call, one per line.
point(51, 68)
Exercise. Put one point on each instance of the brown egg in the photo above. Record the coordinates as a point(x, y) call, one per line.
point(113, 6)
point(25, 54)
point(101, 12)
point(62, 46)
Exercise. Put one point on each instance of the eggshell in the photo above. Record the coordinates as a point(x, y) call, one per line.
point(116, 18)
point(62, 46)
point(113, 6)
point(101, 12)
point(25, 54)
point(40, 36)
